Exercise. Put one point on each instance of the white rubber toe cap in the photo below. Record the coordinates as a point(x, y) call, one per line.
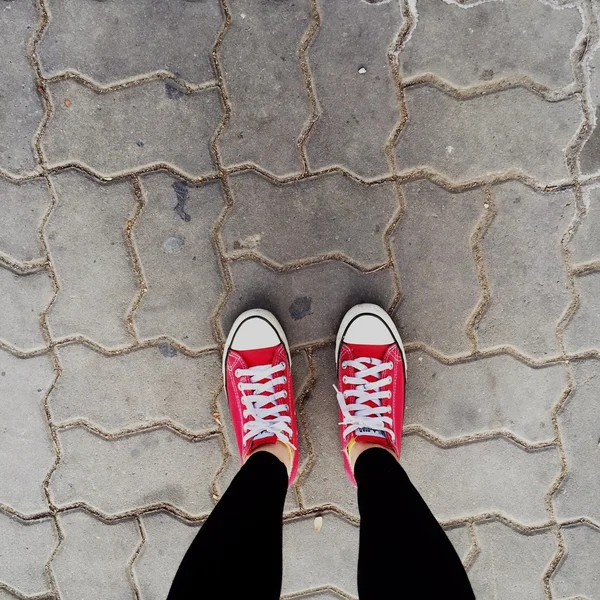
point(368, 329)
point(254, 333)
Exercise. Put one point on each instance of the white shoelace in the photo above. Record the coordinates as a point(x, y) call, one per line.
point(262, 392)
point(359, 415)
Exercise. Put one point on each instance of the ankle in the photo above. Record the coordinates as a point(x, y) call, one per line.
point(279, 450)
point(359, 447)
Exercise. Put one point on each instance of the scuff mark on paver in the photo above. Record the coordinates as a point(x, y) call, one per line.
point(173, 91)
point(300, 307)
point(182, 192)
point(167, 350)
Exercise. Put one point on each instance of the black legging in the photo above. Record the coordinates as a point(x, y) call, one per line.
point(403, 549)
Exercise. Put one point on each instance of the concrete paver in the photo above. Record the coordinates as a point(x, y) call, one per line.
point(117, 132)
point(455, 481)
point(26, 548)
point(259, 60)
point(143, 387)
point(94, 556)
point(453, 137)
point(579, 574)
point(20, 106)
point(164, 166)
point(446, 399)
point(324, 478)
point(181, 273)
point(530, 288)
point(350, 53)
point(24, 435)
point(585, 246)
point(579, 426)
point(502, 552)
point(167, 540)
point(123, 40)
point(309, 218)
point(24, 299)
point(433, 241)
point(96, 283)
point(336, 542)
point(140, 470)
point(23, 207)
point(303, 299)
point(583, 330)
point(493, 40)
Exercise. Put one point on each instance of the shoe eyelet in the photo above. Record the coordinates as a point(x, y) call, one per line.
point(285, 394)
point(239, 386)
point(237, 373)
point(282, 365)
point(345, 379)
point(389, 398)
point(390, 365)
point(344, 365)
point(284, 379)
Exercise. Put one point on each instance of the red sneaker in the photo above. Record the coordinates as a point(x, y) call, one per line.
point(258, 384)
point(371, 367)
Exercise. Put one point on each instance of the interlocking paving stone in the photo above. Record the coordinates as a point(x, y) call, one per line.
point(132, 128)
point(332, 559)
point(326, 482)
point(94, 556)
point(585, 245)
point(589, 161)
point(23, 299)
point(136, 389)
point(167, 540)
point(269, 99)
point(489, 476)
point(491, 393)
point(579, 573)
point(20, 105)
point(27, 454)
point(300, 375)
point(118, 40)
point(459, 536)
point(309, 301)
point(97, 284)
point(173, 237)
point(529, 288)
point(308, 218)
point(578, 420)
point(463, 139)
point(138, 470)
point(500, 571)
point(583, 330)
point(23, 207)
point(493, 40)
point(433, 255)
point(354, 86)
point(26, 548)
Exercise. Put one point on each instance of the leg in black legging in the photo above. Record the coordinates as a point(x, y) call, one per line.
point(240, 544)
point(404, 553)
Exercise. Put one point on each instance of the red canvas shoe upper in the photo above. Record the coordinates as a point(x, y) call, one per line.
point(370, 393)
point(261, 399)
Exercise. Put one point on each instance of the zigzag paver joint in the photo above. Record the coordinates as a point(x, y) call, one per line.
point(184, 163)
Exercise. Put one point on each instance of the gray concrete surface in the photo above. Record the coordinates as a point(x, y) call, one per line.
point(165, 165)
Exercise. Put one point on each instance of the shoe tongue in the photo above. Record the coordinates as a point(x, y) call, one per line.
point(258, 356)
point(370, 350)
point(378, 351)
point(255, 358)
